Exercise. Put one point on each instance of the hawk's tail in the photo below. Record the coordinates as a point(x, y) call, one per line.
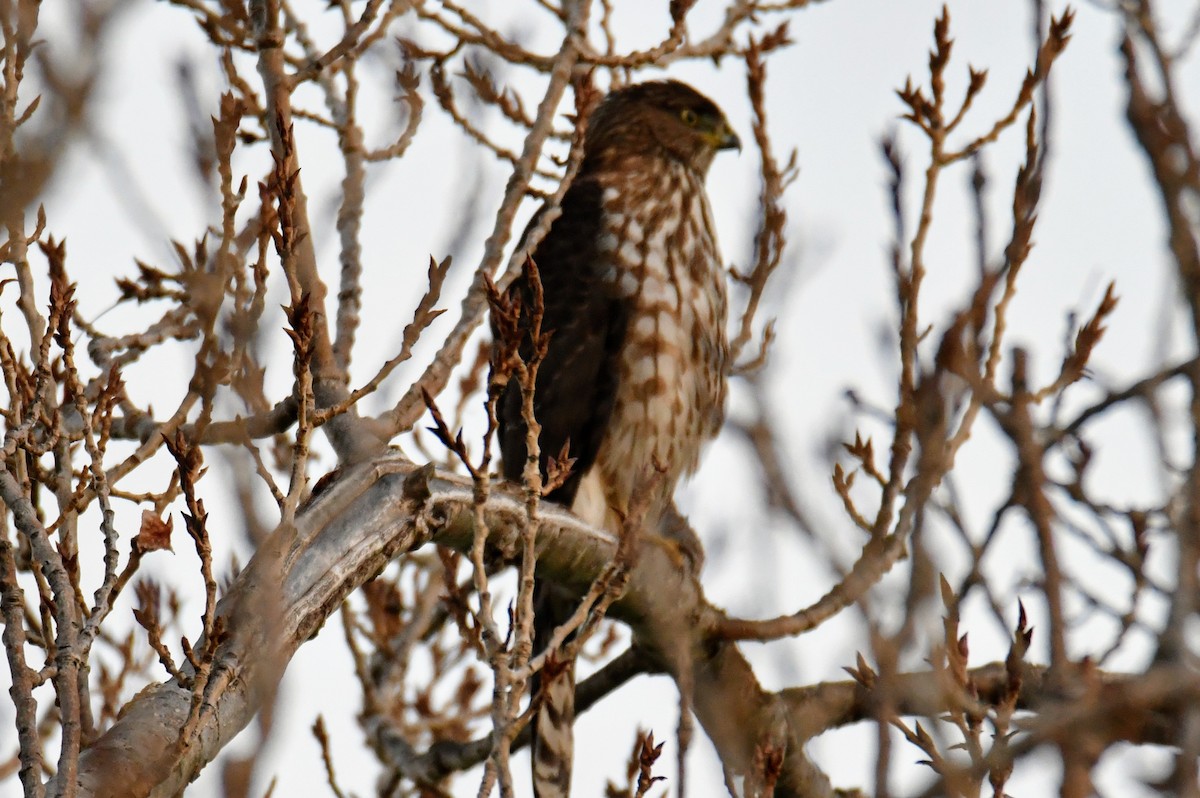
point(553, 735)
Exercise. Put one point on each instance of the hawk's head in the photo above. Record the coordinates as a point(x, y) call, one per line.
point(660, 118)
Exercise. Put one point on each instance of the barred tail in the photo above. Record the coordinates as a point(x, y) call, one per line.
point(553, 734)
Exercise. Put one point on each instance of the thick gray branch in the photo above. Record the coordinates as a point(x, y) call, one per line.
point(345, 536)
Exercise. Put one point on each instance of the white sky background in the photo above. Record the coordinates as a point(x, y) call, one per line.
point(831, 96)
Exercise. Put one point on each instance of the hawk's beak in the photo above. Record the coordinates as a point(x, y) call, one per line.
point(722, 137)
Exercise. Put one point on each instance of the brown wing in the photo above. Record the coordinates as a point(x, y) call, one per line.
point(577, 381)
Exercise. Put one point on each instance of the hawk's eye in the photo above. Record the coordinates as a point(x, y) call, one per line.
point(689, 118)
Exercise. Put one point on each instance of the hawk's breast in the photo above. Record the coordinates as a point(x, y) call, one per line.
point(658, 252)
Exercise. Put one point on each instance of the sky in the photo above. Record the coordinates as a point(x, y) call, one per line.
point(129, 189)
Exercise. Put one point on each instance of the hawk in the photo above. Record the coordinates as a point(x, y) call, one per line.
point(634, 301)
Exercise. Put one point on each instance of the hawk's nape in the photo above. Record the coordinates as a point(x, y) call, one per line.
point(633, 381)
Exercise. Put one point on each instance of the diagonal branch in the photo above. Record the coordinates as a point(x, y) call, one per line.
point(344, 537)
